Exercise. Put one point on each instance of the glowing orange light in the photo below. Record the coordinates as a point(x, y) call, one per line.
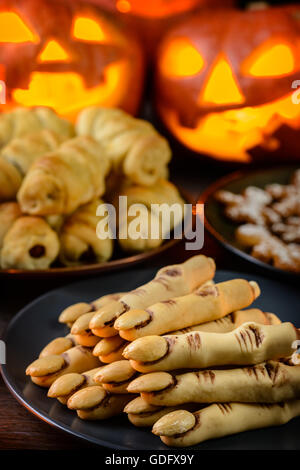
point(13, 29)
point(181, 59)
point(155, 8)
point(274, 61)
point(123, 6)
point(222, 87)
point(67, 93)
point(88, 29)
point(53, 52)
point(230, 134)
point(2, 72)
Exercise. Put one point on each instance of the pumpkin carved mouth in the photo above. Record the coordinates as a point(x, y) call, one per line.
point(68, 55)
point(224, 83)
point(233, 133)
point(66, 92)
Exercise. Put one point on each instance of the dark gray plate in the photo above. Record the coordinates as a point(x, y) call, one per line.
point(223, 229)
point(36, 325)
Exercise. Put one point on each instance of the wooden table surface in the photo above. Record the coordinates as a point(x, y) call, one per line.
point(19, 429)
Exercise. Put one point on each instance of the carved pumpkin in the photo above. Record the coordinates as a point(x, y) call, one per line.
point(67, 55)
point(224, 83)
point(151, 18)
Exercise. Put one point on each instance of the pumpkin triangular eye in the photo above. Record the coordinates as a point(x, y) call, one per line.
point(221, 87)
point(88, 29)
point(53, 52)
point(14, 29)
point(181, 59)
point(270, 60)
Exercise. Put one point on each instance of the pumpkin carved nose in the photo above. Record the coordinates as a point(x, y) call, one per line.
point(53, 52)
point(221, 87)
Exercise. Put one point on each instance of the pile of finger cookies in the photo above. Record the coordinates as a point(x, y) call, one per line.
point(270, 221)
point(181, 354)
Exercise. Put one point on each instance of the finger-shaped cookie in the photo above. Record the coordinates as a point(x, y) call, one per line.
point(182, 428)
point(142, 414)
point(107, 346)
point(255, 315)
point(70, 314)
point(250, 343)
point(232, 321)
point(45, 370)
point(95, 403)
point(116, 377)
point(269, 382)
point(111, 351)
point(173, 280)
point(273, 319)
point(59, 345)
point(219, 326)
point(201, 306)
point(80, 329)
point(66, 385)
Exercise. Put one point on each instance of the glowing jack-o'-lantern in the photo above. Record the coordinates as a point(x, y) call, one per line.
point(67, 55)
point(151, 18)
point(224, 83)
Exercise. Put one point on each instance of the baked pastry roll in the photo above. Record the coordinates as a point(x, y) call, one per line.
point(135, 148)
point(17, 157)
point(61, 181)
point(55, 221)
point(79, 241)
point(177, 279)
point(30, 243)
point(45, 370)
point(203, 305)
point(162, 193)
point(269, 382)
point(23, 121)
point(250, 343)
point(182, 428)
point(9, 213)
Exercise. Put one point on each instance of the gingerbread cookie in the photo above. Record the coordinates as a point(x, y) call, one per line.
point(246, 207)
point(288, 231)
point(269, 248)
point(272, 221)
